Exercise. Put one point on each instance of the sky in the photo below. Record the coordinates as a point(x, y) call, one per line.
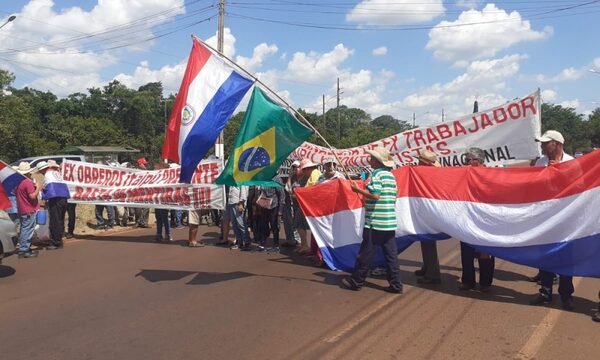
point(429, 59)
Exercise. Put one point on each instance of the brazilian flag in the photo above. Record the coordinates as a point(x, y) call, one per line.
point(269, 133)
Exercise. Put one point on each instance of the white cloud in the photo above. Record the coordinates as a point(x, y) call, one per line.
point(261, 52)
point(395, 12)
point(469, 4)
point(567, 74)
point(313, 67)
point(228, 42)
point(64, 85)
point(549, 96)
point(380, 51)
point(570, 103)
point(66, 46)
point(169, 75)
point(496, 30)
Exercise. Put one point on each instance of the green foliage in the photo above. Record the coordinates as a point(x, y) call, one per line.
point(38, 123)
point(575, 130)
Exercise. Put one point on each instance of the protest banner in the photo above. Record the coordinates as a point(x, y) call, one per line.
point(506, 133)
point(106, 185)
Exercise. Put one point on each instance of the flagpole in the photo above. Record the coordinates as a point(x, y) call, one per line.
point(307, 123)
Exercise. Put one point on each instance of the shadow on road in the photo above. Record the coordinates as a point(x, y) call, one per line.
point(450, 284)
point(6, 271)
point(202, 278)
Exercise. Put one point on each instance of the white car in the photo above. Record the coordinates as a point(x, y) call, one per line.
point(8, 234)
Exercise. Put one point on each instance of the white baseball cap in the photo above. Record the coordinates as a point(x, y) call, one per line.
point(551, 135)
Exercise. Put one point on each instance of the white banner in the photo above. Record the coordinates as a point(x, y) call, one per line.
point(106, 185)
point(506, 133)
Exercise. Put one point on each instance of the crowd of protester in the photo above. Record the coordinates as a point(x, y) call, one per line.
point(255, 213)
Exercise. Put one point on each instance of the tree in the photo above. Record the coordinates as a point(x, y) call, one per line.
point(569, 123)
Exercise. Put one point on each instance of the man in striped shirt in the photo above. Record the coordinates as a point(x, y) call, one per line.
point(380, 223)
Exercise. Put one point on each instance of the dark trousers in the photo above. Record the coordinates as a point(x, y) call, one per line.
point(565, 285)
point(431, 263)
point(268, 221)
point(57, 208)
point(162, 220)
point(387, 241)
point(71, 212)
point(468, 254)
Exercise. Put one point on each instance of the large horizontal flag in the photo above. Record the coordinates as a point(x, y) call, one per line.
point(269, 133)
point(9, 180)
point(210, 91)
point(544, 217)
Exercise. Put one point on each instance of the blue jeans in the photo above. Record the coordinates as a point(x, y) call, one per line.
point(26, 232)
point(239, 225)
point(162, 220)
point(110, 212)
point(176, 217)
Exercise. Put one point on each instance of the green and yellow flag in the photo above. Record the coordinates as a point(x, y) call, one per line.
point(269, 133)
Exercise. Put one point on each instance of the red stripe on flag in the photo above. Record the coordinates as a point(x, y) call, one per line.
point(4, 201)
point(519, 185)
point(198, 58)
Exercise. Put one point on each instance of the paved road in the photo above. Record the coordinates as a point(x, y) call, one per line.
point(125, 297)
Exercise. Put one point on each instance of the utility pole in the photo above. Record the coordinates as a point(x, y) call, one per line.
point(219, 145)
point(324, 123)
point(442, 114)
point(414, 118)
point(338, 110)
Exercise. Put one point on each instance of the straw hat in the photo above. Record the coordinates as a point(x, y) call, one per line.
point(44, 165)
point(306, 163)
point(330, 160)
point(24, 168)
point(383, 156)
point(430, 158)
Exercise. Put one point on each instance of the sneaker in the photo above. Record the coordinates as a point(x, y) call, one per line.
point(158, 238)
point(539, 299)
point(349, 284)
point(69, 235)
point(274, 249)
point(28, 254)
point(246, 247)
point(234, 247)
point(596, 316)
point(168, 239)
point(260, 248)
point(568, 304)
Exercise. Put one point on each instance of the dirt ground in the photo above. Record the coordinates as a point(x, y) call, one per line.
point(85, 222)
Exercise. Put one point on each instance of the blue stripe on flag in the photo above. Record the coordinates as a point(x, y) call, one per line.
point(573, 257)
point(11, 182)
point(211, 122)
point(343, 257)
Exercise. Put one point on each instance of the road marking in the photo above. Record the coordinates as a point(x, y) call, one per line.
point(544, 328)
point(387, 300)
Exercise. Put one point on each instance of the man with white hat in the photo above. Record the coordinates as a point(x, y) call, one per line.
point(330, 165)
point(55, 193)
point(27, 206)
point(552, 143)
point(380, 223)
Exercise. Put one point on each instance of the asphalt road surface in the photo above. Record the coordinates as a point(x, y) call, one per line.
point(123, 296)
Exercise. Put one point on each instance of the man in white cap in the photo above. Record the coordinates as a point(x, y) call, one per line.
point(27, 206)
point(380, 223)
point(55, 193)
point(552, 143)
point(330, 164)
